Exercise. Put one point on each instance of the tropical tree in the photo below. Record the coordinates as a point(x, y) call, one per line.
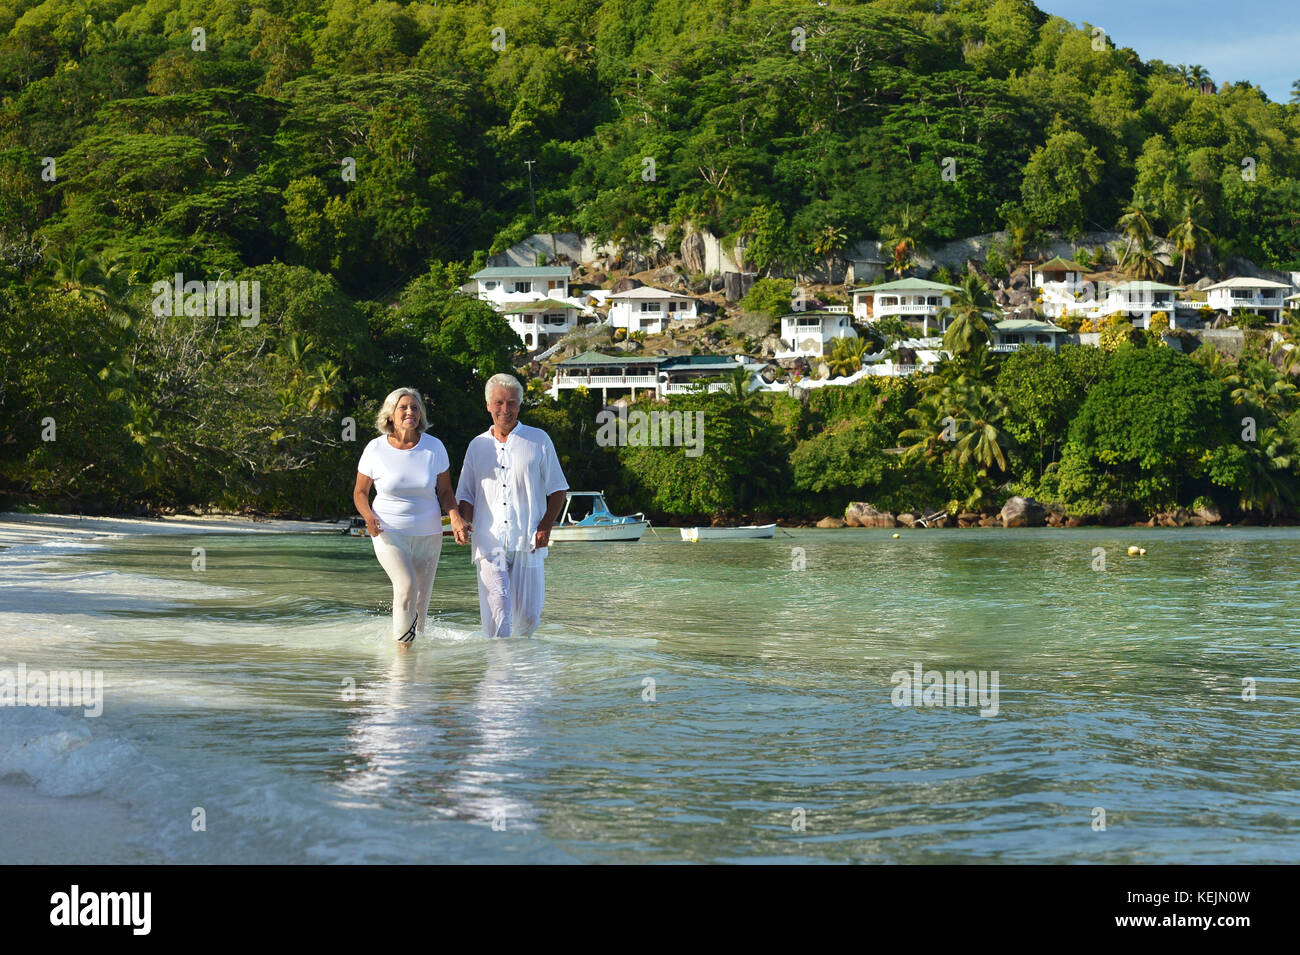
point(1136, 227)
point(846, 356)
point(829, 240)
point(1189, 236)
point(968, 317)
point(1142, 262)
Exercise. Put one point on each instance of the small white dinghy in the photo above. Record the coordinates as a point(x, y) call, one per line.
point(748, 532)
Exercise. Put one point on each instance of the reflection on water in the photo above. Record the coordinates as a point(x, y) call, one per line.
point(268, 688)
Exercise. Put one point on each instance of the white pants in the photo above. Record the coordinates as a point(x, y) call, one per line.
point(411, 561)
point(510, 595)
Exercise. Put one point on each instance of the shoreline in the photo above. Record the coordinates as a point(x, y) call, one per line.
point(18, 529)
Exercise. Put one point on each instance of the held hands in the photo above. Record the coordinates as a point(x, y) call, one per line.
point(372, 525)
point(460, 528)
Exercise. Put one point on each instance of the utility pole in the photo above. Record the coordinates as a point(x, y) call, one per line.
point(532, 199)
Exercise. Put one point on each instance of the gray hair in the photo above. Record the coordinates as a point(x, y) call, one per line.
point(509, 382)
point(384, 420)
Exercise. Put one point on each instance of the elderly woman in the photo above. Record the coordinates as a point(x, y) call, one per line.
point(409, 470)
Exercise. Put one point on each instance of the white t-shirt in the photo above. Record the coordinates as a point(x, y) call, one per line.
point(507, 484)
point(406, 484)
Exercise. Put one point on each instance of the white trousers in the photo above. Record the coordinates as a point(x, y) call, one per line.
point(411, 561)
point(510, 596)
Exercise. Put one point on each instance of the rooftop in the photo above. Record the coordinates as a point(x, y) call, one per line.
point(1145, 287)
point(523, 271)
point(1026, 325)
point(1247, 283)
point(647, 291)
point(542, 305)
point(908, 285)
point(596, 358)
point(1058, 264)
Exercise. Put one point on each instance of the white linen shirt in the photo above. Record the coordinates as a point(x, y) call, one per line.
point(507, 485)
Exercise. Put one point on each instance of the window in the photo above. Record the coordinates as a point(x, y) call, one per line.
point(490, 285)
point(523, 286)
point(650, 306)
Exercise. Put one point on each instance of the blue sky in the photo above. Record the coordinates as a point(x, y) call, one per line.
point(1255, 40)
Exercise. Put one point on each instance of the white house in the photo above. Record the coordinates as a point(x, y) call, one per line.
point(1062, 289)
point(806, 334)
point(682, 373)
point(624, 375)
point(1012, 333)
point(651, 310)
point(1138, 301)
point(907, 299)
point(541, 322)
point(506, 285)
point(1259, 296)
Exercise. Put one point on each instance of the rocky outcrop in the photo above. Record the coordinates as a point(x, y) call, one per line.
point(626, 285)
point(1022, 512)
point(907, 519)
point(692, 250)
point(830, 522)
point(1111, 514)
point(1209, 514)
point(861, 514)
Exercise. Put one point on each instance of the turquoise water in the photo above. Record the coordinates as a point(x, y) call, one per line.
point(231, 689)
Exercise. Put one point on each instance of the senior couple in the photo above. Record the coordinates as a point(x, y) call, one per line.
point(510, 483)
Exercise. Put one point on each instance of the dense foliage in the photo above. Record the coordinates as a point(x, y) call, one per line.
point(352, 158)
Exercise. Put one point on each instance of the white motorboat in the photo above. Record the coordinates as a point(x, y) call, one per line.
point(586, 517)
point(747, 532)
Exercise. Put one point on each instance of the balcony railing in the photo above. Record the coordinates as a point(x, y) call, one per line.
point(906, 309)
point(606, 381)
point(891, 371)
point(686, 387)
point(1005, 346)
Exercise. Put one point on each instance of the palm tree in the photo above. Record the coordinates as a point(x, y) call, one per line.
point(1295, 91)
point(1142, 262)
point(737, 388)
point(1267, 485)
point(1189, 236)
point(846, 356)
point(323, 388)
point(900, 242)
point(1136, 227)
point(826, 243)
point(968, 316)
point(84, 275)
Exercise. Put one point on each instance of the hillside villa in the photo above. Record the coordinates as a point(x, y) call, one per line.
point(626, 375)
point(1259, 296)
point(541, 322)
point(1011, 333)
point(806, 334)
point(907, 299)
point(651, 310)
point(505, 285)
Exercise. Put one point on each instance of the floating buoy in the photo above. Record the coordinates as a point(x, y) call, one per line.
point(1135, 551)
point(895, 536)
point(1142, 551)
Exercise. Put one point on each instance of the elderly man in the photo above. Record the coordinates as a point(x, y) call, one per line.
point(511, 490)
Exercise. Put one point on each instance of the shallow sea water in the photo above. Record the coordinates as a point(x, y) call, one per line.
point(266, 690)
